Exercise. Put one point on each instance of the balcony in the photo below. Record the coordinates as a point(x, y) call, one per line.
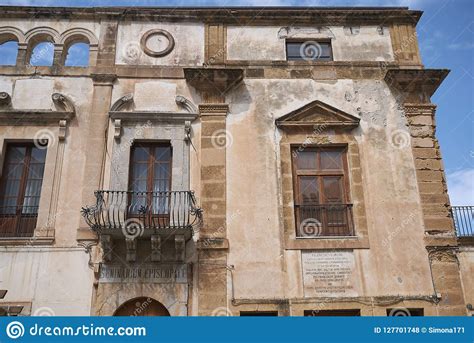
point(463, 221)
point(18, 221)
point(142, 214)
point(324, 220)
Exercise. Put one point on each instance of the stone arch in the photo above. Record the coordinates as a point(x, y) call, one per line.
point(9, 33)
point(142, 306)
point(79, 35)
point(40, 35)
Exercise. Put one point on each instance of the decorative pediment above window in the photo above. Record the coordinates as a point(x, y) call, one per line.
point(62, 113)
point(320, 114)
point(123, 110)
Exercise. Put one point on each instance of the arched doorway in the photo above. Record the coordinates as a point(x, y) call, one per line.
point(142, 306)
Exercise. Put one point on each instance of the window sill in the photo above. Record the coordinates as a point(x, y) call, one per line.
point(324, 243)
point(26, 241)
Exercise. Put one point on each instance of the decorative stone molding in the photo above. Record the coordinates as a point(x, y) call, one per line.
point(317, 113)
point(131, 245)
point(5, 100)
point(106, 243)
point(125, 101)
point(447, 255)
point(102, 79)
point(213, 109)
point(321, 32)
point(213, 80)
point(180, 247)
point(157, 32)
point(63, 103)
point(155, 248)
point(415, 85)
point(186, 104)
point(65, 111)
point(117, 128)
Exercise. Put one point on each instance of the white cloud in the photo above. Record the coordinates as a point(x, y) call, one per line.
point(461, 187)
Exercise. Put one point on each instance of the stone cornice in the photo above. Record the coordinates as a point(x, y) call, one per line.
point(213, 109)
point(231, 15)
point(418, 84)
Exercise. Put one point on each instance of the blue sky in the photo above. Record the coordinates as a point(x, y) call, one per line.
point(446, 37)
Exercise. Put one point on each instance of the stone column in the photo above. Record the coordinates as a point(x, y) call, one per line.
point(213, 245)
point(440, 236)
point(213, 84)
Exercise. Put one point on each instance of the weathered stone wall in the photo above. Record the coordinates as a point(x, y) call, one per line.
point(246, 255)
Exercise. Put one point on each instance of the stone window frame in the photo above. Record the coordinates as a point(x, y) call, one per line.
point(300, 138)
point(28, 126)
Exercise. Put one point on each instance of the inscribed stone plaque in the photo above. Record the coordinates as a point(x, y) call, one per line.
point(160, 273)
point(329, 273)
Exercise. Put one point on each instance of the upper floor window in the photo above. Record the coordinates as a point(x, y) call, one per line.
point(8, 52)
point(20, 189)
point(42, 54)
point(150, 180)
point(309, 50)
point(321, 195)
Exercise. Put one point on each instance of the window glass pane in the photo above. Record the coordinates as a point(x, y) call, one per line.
point(305, 159)
point(308, 50)
point(332, 188)
point(331, 159)
point(141, 153)
point(16, 154)
point(38, 155)
point(309, 193)
point(140, 171)
point(162, 153)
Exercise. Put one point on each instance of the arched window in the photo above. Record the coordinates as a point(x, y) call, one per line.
point(42, 54)
point(8, 52)
point(77, 55)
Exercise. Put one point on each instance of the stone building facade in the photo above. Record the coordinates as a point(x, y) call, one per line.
point(227, 162)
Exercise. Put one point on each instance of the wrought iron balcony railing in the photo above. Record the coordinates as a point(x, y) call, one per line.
point(138, 213)
point(18, 221)
point(463, 220)
point(324, 220)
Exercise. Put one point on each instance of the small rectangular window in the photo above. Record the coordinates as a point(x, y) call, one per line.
point(309, 50)
point(20, 189)
point(405, 312)
point(332, 313)
point(258, 313)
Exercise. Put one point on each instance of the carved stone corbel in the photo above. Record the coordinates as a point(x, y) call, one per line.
point(5, 100)
point(63, 103)
point(131, 244)
point(155, 248)
point(117, 129)
point(187, 131)
point(62, 129)
point(186, 104)
point(180, 247)
point(107, 247)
